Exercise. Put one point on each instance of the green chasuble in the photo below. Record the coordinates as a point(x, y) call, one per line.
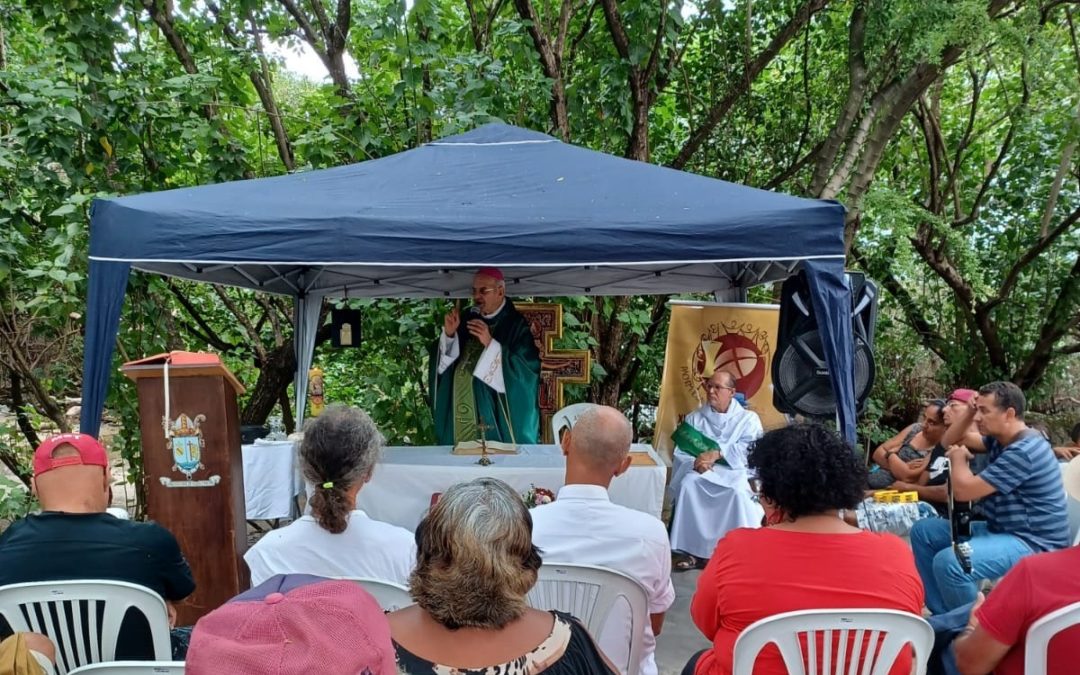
point(460, 399)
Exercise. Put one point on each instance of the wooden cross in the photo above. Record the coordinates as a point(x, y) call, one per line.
point(558, 367)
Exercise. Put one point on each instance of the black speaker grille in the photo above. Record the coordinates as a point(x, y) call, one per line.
point(803, 376)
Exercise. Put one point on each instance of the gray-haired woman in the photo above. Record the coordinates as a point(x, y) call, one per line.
point(337, 456)
point(475, 564)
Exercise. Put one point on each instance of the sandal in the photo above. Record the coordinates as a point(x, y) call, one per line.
point(689, 562)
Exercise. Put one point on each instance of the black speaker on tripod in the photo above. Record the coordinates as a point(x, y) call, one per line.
point(800, 374)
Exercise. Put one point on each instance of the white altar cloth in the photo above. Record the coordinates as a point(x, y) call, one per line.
point(401, 488)
point(272, 480)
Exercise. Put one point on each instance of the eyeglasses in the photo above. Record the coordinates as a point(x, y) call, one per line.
point(717, 387)
point(483, 291)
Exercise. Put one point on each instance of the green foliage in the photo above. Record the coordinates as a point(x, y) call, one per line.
point(95, 100)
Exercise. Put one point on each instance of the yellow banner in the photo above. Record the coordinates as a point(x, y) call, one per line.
point(704, 338)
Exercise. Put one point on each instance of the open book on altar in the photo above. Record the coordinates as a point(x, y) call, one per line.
point(493, 448)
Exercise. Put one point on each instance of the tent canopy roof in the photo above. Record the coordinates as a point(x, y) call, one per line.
point(558, 219)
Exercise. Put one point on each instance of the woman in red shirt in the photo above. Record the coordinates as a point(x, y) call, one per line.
point(806, 558)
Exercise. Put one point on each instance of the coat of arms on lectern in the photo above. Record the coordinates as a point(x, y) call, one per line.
point(185, 439)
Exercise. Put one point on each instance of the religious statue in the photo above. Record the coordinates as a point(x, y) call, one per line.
point(316, 402)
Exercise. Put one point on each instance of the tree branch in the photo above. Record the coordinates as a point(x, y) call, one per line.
point(209, 335)
point(245, 322)
point(743, 83)
point(1029, 256)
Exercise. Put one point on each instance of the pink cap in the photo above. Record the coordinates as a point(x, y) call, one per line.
point(490, 272)
point(963, 395)
point(294, 624)
point(89, 453)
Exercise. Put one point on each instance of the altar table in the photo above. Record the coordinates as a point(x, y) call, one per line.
point(404, 480)
point(406, 477)
point(272, 480)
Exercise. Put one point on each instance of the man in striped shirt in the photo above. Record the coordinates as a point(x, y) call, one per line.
point(1020, 493)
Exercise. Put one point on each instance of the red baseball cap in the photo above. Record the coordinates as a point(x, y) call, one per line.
point(89, 453)
point(963, 395)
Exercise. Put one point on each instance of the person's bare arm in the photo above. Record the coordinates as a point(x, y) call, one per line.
point(657, 621)
point(1067, 452)
point(888, 446)
point(960, 432)
point(976, 652)
point(967, 487)
point(905, 471)
point(927, 493)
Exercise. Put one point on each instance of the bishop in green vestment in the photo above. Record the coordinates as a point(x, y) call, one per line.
point(486, 367)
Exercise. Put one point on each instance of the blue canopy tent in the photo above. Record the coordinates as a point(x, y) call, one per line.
point(558, 219)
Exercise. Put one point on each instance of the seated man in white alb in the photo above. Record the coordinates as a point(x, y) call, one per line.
point(583, 526)
point(710, 488)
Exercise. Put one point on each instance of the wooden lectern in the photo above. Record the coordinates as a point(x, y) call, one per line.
point(194, 469)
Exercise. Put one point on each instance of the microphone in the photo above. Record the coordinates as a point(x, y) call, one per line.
point(473, 312)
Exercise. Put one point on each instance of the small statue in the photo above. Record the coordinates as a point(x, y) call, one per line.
point(316, 403)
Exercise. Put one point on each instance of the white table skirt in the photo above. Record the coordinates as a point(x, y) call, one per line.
point(401, 488)
point(272, 480)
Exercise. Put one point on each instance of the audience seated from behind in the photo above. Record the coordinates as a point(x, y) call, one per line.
point(1020, 495)
point(905, 455)
point(990, 634)
point(74, 538)
point(597, 450)
point(806, 558)
point(294, 623)
point(475, 565)
point(337, 457)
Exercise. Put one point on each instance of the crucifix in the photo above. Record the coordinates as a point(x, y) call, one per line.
point(483, 427)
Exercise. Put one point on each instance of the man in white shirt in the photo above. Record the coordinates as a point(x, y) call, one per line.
point(711, 492)
point(583, 526)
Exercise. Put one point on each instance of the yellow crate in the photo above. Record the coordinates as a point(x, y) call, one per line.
point(908, 497)
point(884, 495)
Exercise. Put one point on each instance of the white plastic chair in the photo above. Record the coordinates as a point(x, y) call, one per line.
point(565, 417)
point(590, 593)
point(68, 613)
point(865, 627)
point(1040, 633)
point(132, 668)
point(389, 595)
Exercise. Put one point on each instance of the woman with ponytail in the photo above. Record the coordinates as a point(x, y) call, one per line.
point(337, 456)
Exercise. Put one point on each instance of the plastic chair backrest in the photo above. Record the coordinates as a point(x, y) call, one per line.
point(389, 595)
point(874, 637)
point(132, 668)
point(590, 593)
point(565, 417)
point(83, 618)
point(1040, 633)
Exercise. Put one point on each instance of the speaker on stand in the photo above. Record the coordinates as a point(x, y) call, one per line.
point(800, 374)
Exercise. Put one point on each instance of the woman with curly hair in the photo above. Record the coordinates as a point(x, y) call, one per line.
point(806, 558)
point(475, 563)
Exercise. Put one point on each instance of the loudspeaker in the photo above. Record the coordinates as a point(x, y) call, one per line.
point(799, 371)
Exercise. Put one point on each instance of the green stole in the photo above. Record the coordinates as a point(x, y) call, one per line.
point(693, 442)
point(464, 401)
